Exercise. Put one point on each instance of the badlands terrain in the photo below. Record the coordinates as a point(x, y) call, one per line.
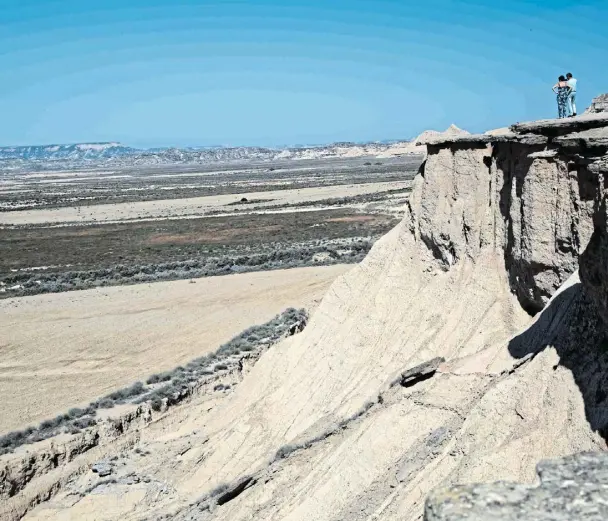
point(467, 345)
point(91, 227)
point(64, 350)
point(76, 229)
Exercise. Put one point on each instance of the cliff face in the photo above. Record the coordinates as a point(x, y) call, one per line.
point(421, 367)
point(575, 487)
point(532, 196)
point(594, 264)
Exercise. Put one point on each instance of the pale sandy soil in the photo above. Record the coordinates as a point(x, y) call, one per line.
point(188, 207)
point(62, 350)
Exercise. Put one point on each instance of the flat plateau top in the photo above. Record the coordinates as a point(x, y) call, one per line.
point(587, 126)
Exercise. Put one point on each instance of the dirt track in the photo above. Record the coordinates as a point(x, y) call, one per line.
point(66, 349)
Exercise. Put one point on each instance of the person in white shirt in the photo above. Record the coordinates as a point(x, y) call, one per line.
point(572, 96)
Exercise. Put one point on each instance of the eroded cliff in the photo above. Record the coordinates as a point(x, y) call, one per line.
point(421, 367)
point(531, 193)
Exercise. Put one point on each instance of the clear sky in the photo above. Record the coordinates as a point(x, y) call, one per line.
point(254, 72)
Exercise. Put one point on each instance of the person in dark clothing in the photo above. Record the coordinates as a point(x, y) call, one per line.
point(562, 90)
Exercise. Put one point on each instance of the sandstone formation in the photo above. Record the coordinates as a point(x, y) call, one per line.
point(599, 104)
point(415, 146)
point(463, 349)
point(572, 488)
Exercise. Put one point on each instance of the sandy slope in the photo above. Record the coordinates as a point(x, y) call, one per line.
point(61, 350)
point(470, 422)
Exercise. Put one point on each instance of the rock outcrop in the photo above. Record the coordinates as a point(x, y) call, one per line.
point(572, 488)
point(576, 487)
point(326, 426)
point(414, 146)
point(599, 104)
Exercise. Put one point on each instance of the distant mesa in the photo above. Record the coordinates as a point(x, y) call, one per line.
point(75, 151)
point(114, 154)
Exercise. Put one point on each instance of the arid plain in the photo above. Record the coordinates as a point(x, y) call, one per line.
point(147, 248)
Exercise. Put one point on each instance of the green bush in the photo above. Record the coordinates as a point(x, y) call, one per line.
point(286, 450)
point(159, 377)
point(106, 403)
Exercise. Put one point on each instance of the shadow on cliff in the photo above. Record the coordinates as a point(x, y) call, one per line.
point(534, 276)
point(571, 324)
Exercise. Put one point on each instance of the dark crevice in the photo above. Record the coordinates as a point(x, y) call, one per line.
point(418, 379)
point(435, 250)
point(236, 491)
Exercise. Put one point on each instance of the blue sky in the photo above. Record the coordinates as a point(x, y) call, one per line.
point(184, 72)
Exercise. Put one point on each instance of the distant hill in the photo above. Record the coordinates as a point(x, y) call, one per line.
point(116, 154)
point(75, 151)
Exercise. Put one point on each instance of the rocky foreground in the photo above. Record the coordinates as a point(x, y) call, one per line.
point(464, 349)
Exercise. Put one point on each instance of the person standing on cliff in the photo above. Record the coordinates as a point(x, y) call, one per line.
point(562, 89)
point(571, 81)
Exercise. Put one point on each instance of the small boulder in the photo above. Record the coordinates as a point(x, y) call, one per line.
point(102, 469)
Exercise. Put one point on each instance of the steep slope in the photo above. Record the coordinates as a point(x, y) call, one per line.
point(421, 367)
point(575, 487)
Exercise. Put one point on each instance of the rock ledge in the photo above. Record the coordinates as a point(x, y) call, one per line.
point(571, 489)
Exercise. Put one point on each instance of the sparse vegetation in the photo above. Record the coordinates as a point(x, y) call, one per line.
point(288, 449)
point(220, 489)
point(337, 201)
point(41, 259)
point(167, 388)
point(137, 187)
point(297, 240)
point(244, 200)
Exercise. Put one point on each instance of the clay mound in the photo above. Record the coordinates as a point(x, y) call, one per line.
point(417, 145)
point(503, 131)
point(429, 135)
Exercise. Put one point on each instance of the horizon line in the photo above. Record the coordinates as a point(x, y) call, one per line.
point(166, 147)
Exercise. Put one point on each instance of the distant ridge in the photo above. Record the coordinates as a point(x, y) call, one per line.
point(74, 151)
point(117, 155)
